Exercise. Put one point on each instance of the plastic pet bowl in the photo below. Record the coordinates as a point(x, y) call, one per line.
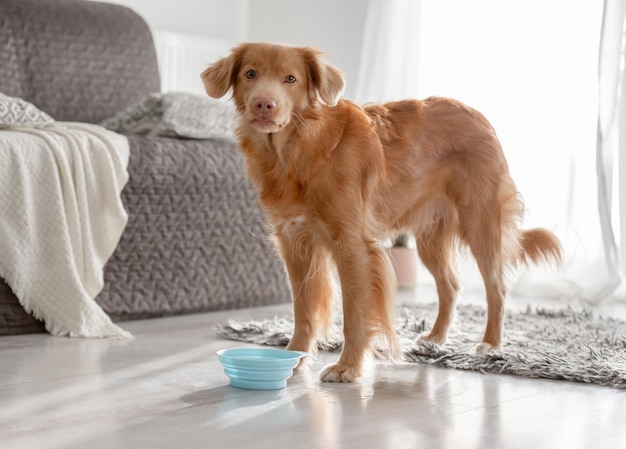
point(259, 368)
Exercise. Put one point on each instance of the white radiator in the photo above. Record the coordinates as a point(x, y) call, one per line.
point(182, 57)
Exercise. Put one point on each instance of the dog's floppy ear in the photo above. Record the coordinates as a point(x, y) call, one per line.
point(220, 76)
point(326, 82)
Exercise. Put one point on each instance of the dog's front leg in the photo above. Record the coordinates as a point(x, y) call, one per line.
point(310, 277)
point(366, 285)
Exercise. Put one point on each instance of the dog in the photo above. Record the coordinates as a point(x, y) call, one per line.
point(336, 179)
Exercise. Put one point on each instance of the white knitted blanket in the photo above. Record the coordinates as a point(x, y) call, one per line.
point(61, 218)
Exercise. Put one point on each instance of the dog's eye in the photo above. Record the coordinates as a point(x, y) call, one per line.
point(251, 74)
point(290, 79)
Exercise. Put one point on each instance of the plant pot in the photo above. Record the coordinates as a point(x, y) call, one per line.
point(404, 261)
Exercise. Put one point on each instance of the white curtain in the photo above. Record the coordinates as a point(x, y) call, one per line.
point(531, 67)
point(389, 56)
point(611, 144)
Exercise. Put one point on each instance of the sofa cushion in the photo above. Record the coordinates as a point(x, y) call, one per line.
point(196, 240)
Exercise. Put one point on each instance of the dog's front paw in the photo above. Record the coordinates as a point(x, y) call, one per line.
point(303, 365)
point(340, 373)
point(484, 347)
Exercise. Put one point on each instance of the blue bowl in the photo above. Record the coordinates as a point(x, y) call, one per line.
point(259, 368)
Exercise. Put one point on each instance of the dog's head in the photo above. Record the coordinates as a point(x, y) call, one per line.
point(270, 83)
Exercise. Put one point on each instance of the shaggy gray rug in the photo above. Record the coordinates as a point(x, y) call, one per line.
point(561, 344)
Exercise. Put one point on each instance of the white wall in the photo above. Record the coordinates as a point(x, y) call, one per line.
point(225, 19)
point(334, 27)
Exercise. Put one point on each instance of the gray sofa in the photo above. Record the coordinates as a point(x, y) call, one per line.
point(195, 239)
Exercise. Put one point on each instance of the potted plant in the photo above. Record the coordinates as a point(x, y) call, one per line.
point(404, 261)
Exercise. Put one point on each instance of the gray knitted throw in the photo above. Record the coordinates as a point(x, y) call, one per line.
point(562, 344)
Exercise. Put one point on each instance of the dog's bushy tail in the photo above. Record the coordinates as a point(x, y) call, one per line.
point(540, 245)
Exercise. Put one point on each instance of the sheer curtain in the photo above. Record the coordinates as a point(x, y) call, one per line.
point(531, 67)
point(611, 143)
point(389, 60)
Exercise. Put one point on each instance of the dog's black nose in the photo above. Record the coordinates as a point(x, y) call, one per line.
point(264, 104)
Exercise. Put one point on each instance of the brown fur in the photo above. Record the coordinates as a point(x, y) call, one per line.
point(336, 178)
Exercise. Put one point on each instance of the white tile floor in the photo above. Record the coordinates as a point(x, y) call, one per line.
point(166, 389)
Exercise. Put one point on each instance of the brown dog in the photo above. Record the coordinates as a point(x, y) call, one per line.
point(336, 178)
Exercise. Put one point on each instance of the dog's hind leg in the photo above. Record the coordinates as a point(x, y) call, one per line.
point(485, 239)
point(490, 265)
point(436, 246)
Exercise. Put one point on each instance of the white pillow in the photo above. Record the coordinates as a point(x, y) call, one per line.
point(14, 110)
point(176, 114)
